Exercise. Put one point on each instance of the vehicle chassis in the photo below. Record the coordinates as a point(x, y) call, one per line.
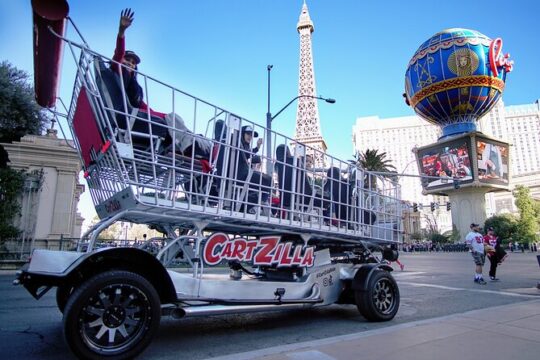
point(114, 297)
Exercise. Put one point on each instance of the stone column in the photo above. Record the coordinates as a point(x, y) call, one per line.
point(63, 212)
point(78, 219)
point(46, 203)
point(468, 206)
point(56, 211)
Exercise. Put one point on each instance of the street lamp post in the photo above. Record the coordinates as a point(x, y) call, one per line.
point(328, 100)
point(406, 166)
point(268, 127)
point(270, 118)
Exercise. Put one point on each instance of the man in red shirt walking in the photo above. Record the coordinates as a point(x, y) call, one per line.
point(497, 255)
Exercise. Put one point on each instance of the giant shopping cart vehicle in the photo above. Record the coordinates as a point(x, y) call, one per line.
point(301, 236)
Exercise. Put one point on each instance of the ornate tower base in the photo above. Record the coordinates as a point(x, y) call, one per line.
point(468, 206)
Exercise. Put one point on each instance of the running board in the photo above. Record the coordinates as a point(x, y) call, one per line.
point(235, 306)
point(234, 302)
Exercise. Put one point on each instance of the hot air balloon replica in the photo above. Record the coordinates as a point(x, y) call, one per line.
point(454, 78)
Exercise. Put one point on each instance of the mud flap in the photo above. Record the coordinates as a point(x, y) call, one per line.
point(364, 273)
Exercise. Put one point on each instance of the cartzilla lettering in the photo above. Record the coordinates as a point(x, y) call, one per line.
point(264, 251)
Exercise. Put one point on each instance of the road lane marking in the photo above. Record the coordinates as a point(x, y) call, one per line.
point(309, 355)
point(399, 274)
point(472, 290)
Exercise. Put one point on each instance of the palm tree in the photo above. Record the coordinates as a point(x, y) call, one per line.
point(372, 160)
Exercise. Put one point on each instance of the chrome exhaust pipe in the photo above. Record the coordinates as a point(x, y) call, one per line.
point(206, 310)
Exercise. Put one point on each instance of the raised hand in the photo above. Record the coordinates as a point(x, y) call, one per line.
point(126, 18)
point(259, 142)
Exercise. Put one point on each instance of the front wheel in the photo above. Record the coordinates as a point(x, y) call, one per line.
point(380, 302)
point(62, 296)
point(114, 315)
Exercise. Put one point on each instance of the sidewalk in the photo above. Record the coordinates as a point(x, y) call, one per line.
point(496, 333)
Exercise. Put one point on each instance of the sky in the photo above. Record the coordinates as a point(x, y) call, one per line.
point(218, 50)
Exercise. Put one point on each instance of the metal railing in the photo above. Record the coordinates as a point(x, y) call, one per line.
point(147, 168)
point(17, 249)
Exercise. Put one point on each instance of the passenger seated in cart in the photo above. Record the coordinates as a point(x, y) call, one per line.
point(184, 138)
point(308, 164)
point(258, 181)
point(130, 59)
point(247, 137)
point(186, 142)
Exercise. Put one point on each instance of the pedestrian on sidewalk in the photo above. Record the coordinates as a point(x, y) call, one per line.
point(475, 241)
point(497, 255)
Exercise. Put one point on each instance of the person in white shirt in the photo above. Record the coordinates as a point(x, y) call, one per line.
point(475, 241)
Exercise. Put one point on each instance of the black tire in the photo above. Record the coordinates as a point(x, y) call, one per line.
point(62, 296)
point(118, 305)
point(380, 302)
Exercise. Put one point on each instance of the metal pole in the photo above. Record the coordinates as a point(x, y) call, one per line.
point(269, 163)
point(269, 119)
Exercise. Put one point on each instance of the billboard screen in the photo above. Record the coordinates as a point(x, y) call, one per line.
point(446, 162)
point(492, 161)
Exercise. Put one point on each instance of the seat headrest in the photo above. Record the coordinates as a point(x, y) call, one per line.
point(109, 85)
point(283, 152)
point(220, 130)
point(333, 173)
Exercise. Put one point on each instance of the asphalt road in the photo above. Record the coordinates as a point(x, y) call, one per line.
point(431, 285)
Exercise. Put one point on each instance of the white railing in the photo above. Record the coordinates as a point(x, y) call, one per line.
point(193, 165)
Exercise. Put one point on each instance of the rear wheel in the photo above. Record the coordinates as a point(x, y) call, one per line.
point(380, 302)
point(114, 314)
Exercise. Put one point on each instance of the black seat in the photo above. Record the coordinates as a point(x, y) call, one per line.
point(109, 86)
point(284, 167)
point(303, 190)
point(342, 200)
point(220, 138)
point(339, 193)
point(217, 159)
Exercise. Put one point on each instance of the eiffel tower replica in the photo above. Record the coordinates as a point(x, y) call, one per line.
point(308, 128)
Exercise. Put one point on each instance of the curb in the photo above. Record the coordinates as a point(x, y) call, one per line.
point(275, 350)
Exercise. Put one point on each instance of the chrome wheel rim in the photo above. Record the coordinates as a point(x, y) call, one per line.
point(114, 318)
point(384, 297)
